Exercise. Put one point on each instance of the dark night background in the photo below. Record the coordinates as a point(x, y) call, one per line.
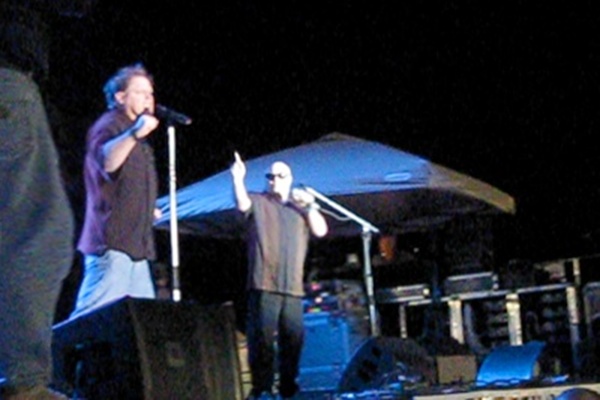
point(507, 92)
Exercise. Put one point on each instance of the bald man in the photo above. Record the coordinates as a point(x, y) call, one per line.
point(280, 221)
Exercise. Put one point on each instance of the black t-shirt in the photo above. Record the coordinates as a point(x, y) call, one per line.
point(278, 238)
point(120, 205)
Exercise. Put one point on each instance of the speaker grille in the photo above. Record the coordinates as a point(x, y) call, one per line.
point(149, 349)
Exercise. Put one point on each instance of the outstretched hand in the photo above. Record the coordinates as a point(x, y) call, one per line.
point(238, 168)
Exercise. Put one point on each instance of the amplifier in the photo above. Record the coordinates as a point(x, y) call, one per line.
point(400, 294)
point(337, 296)
point(320, 378)
point(478, 282)
point(591, 304)
point(330, 340)
point(326, 340)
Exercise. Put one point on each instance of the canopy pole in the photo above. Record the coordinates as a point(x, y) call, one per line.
point(367, 230)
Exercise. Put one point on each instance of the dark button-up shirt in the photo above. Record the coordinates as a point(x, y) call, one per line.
point(119, 205)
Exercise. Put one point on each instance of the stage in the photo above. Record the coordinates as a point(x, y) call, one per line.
point(158, 349)
point(517, 393)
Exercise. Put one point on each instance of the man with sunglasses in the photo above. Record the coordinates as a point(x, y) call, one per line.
point(280, 221)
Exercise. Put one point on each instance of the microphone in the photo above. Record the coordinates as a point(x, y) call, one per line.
point(303, 198)
point(171, 115)
point(308, 189)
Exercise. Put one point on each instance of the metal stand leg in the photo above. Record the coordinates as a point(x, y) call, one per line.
point(456, 320)
point(574, 320)
point(402, 321)
point(515, 330)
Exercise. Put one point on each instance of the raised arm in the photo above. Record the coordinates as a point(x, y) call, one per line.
point(118, 149)
point(238, 173)
point(316, 220)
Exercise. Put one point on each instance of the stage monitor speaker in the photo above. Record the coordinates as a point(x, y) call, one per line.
point(578, 394)
point(151, 350)
point(381, 361)
point(515, 365)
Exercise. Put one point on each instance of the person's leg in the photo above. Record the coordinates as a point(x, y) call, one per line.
point(106, 279)
point(36, 243)
point(26, 327)
point(263, 310)
point(290, 339)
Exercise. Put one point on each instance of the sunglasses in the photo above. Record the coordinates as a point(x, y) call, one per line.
point(272, 177)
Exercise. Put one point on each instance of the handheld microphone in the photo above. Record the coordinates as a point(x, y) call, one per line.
point(171, 115)
point(303, 198)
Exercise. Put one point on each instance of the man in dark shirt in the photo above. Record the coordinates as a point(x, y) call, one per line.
point(280, 223)
point(121, 186)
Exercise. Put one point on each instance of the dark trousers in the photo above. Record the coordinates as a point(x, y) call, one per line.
point(36, 233)
point(274, 316)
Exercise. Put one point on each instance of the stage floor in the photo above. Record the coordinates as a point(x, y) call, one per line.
point(517, 393)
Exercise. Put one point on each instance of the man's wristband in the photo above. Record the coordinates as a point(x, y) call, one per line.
point(133, 135)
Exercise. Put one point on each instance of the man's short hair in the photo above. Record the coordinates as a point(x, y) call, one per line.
point(120, 80)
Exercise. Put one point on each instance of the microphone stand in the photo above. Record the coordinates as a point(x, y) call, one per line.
point(367, 232)
point(174, 230)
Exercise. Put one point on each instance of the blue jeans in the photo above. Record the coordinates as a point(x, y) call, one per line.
point(110, 277)
point(36, 233)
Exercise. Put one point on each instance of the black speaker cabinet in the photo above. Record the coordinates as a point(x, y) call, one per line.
point(149, 349)
point(381, 359)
